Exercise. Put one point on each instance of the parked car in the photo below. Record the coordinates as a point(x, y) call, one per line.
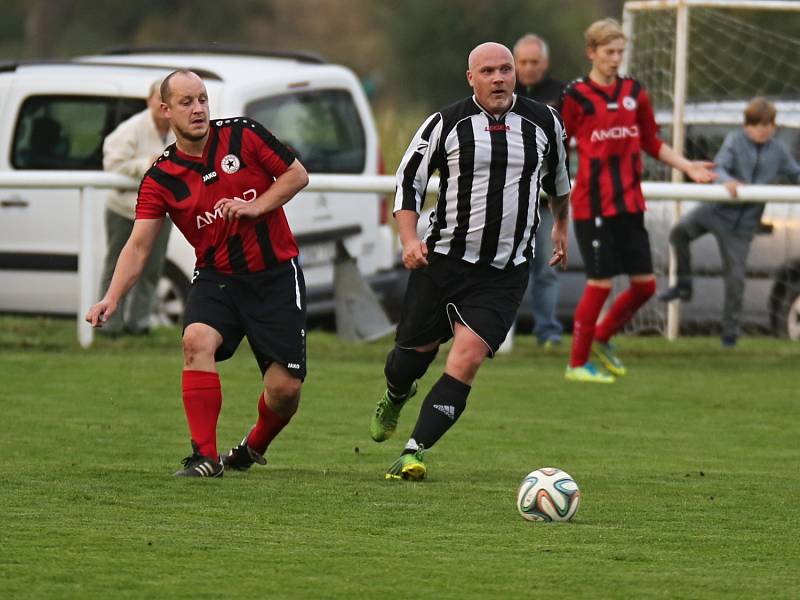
point(772, 292)
point(55, 116)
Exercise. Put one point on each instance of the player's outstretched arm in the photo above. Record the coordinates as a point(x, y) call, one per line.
point(699, 171)
point(285, 187)
point(129, 266)
point(559, 206)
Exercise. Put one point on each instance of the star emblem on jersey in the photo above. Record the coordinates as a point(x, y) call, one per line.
point(629, 103)
point(230, 164)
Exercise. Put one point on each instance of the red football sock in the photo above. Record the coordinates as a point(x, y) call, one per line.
point(268, 425)
point(623, 309)
point(583, 326)
point(202, 401)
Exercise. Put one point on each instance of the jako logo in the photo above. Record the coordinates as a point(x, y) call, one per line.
point(208, 176)
point(208, 217)
point(615, 133)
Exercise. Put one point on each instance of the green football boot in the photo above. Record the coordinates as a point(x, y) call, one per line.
point(587, 373)
point(384, 421)
point(608, 358)
point(409, 467)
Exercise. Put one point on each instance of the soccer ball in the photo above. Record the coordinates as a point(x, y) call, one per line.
point(548, 494)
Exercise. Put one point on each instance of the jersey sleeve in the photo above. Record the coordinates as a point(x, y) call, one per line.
point(555, 181)
point(150, 202)
point(648, 128)
point(417, 165)
point(273, 156)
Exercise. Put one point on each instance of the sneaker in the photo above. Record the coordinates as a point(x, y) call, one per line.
point(550, 343)
point(384, 421)
point(587, 373)
point(242, 457)
point(197, 465)
point(608, 358)
point(409, 467)
point(677, 292)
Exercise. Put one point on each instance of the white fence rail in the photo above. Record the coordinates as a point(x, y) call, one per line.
point(92, 185)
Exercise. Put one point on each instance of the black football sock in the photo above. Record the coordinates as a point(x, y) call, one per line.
point(403, 367)
point(439, 411)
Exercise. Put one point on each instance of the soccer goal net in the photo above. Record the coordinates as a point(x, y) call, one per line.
point(701, 62)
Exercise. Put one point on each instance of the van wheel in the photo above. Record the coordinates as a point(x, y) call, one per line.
point(171, 294)
point(786, 311)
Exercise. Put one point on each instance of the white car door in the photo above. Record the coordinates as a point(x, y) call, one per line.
point(58, 124)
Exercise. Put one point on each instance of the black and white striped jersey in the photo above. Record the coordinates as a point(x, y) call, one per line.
point(491, 172)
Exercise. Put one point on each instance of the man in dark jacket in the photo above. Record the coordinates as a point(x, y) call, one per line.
point(531, 59)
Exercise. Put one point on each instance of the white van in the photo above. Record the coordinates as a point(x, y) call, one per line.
point(55, 115)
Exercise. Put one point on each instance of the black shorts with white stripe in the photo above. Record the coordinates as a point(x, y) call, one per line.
point(481, 297)
point(269, 307)
point(614, 245)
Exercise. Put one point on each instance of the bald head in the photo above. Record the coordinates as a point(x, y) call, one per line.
point(488, 51)
point(491, 76)
point(184, 103)
point(182, 75)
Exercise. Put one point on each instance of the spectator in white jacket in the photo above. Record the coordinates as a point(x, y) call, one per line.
point(130, 150)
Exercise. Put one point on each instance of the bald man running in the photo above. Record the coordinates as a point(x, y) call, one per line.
point(494, 151)
point(224, 185)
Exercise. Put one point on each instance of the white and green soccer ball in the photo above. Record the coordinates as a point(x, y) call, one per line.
point(548, 494)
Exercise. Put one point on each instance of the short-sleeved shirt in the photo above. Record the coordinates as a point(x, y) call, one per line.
point(491, 171)
point(611, 126)
point(241, 160)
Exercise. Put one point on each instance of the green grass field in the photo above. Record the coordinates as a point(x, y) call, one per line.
point(688, 467)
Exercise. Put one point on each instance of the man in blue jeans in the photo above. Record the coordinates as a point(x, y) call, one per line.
point(532, 60)
point(544, 286)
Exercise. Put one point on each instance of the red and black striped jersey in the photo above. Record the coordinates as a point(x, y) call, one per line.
point(240, 160)
point(611, 125)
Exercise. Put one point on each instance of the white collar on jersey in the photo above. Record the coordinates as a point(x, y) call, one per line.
point(490, 115)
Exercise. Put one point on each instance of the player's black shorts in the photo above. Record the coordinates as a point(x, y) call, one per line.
point(483, 298)
point(614, 245)
point(269, 307)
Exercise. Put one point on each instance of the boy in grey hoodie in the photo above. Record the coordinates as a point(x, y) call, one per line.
point(750, 155)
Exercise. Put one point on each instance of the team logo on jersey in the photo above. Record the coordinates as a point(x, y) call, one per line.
point(629, 103)
point(230, 164)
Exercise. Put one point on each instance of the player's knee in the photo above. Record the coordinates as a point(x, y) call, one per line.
point(286, 391)
point(197, 345)
point(468, 358)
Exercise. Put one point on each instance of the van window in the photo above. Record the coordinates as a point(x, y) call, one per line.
point(323, 128)
point(67, 132)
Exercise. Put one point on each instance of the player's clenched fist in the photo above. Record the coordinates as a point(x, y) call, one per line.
point(230, 208)
point(415, 255)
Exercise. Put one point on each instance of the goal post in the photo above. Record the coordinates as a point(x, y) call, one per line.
point(687, 52)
